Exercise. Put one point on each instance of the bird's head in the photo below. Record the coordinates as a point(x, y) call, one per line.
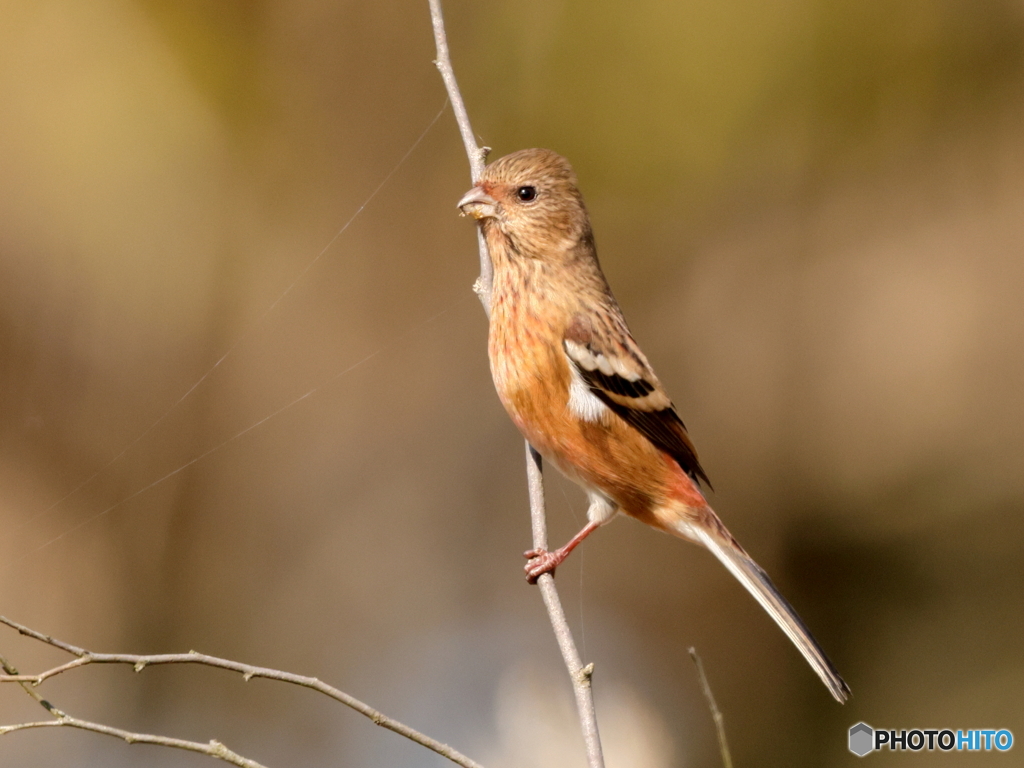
point(531, 196)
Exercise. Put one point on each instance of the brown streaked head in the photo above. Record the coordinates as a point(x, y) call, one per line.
point(531, 196)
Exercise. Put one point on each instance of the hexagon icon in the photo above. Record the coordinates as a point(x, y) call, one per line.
point(862, 738)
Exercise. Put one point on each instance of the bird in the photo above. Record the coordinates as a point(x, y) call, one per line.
point(579, 388)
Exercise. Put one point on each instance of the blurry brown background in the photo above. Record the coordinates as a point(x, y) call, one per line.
point(813, 214)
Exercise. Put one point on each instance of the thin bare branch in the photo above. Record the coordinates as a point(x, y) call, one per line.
point(716, 714)
point(11, 674)
point(212, 748)
point(579, 674)
point(477, 155)
point(248, 672)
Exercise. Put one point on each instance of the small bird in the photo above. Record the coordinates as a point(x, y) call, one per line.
point(579, 388)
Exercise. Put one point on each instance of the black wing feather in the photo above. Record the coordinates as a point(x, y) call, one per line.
point(663, 427)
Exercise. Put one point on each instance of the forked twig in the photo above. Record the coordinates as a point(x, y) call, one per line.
point(84, 657)
point(578, 673)
point(62, 719)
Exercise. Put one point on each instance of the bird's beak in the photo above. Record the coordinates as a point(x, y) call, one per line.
point(477, 203)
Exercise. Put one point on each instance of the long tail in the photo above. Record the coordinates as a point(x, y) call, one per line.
point(751, 576)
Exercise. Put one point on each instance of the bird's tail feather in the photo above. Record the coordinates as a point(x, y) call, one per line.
point(751, 576)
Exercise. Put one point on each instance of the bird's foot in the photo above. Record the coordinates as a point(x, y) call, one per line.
point(540, 561)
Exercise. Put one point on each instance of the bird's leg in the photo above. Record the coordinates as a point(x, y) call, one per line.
point(541, 561)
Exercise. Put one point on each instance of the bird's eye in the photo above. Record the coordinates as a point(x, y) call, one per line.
point(526, 194)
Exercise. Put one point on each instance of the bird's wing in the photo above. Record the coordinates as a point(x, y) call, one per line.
point(611, 363)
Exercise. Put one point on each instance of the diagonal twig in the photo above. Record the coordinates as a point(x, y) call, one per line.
point(63, 719)
point(477, 155)
point(248, 672)
point(212, 748)
point(716, 713)
point(578, 673)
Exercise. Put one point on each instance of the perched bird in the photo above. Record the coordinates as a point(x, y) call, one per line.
point(579, 388)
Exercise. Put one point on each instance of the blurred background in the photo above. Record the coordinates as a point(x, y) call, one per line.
point(812, 212)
